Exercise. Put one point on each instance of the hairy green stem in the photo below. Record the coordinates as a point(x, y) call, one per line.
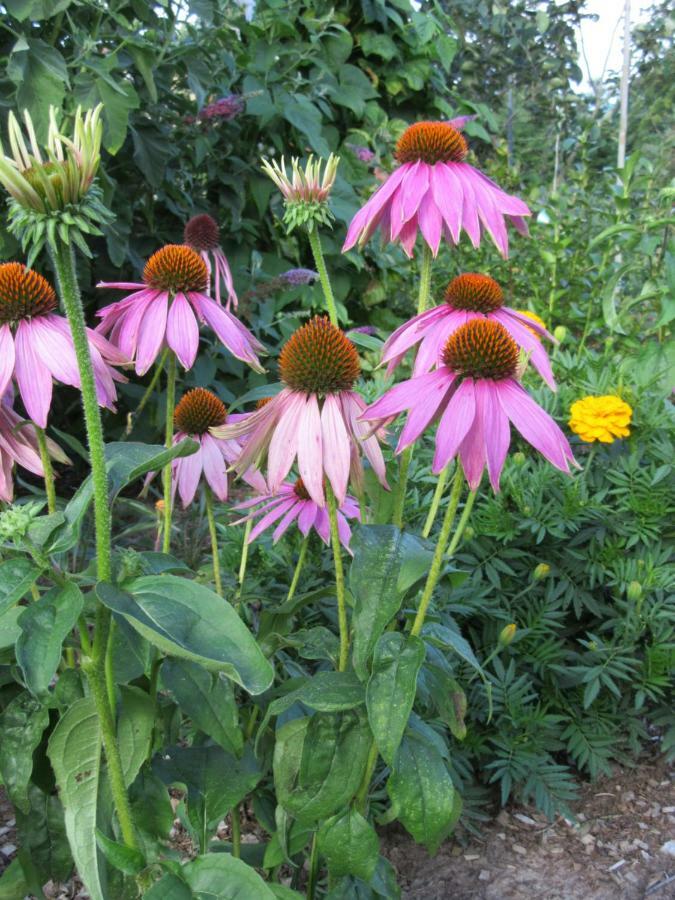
point(461, 525)
point(235, 828)
point(244, 555)
point(298, 568)
point(425, 278)
point(64, 264)
point(339, 579)
point(313, 869)
point(168, 442)
point(435, 503)
point(214, 539)
point(47, 467)
point(361, 799)
point(439, 552)
point(315, 244)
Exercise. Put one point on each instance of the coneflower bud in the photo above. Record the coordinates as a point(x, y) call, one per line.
point(305, 191)
point(507, 634)
point(541, 571)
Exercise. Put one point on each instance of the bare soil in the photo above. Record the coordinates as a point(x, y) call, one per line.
point(612, 851)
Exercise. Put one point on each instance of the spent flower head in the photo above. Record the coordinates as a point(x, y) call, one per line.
point(52, 189)
point(305, 191)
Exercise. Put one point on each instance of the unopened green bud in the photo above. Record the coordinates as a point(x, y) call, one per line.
point(469, 533)
point(560, 333)
point(634, 591)
point(15, 522)
point(507, 634)
point(541, 571)
point(519, 458)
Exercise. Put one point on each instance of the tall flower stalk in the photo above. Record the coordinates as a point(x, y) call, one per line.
point(168, 442)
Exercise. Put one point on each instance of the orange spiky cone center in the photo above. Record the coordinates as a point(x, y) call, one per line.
point(198, 411)
point(431, 142)
point(482, 349)
point(475, 292)
point(319, 359)
point(24, 293)
point(176, 268)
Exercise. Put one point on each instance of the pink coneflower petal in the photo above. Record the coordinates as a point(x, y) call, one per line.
point(336, 448)
point(449, 198)
point(529, 343)
point(6, 357)
point(535, 425)
point(151, 333)
point(495, 429)
point(274, 515)
point(54, 348)
point(310, 454)
point(33, 378)
point(214, 466)
point(283, 447)
point(431, 222)
point(430, 349)
point(188, 473)
point(322, 525)
point(182, 331)
point(454, 425)
point(229, 330)
point(291, 515)
point(434, 391)
point(472, 448)
point(363, 220)
point(308, 516)
point(123, 285)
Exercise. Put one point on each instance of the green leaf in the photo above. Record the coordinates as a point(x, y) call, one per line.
point(324, 692)
point(349, 845)
point(75, 754)
point(377, 44)
point(387, 562)
point(220, 876)
point(117, 104)
point(391, 689)
point(44, 848)
point(143, 60)
point(9, 626)
point(215, 780)
point(422, 791)
point(152, 151)
point(41, 78)
point(134, 730)
point(125, 859)
point(13, 883)
point(304, 115)
point(170, 887)
point(208, 699)
point(187, 620)
point(22, 725)
point(319, 762)
point(44, 626)
point(16, 577)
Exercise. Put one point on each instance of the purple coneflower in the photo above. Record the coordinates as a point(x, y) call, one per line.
point(196, 415)
point(315, 417)
point(292, 503)
point(19, 444)
point(435, 190)
point(473, 395)
point(468, 296)
point(166, 309)
point(36, 345)
point(203, 235)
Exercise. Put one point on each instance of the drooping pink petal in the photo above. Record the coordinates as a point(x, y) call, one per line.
point(123, 285)
point(187, 474)
point(308, 515)
point(454, 425)
point(310, 453)
point(431, 391)
point(496, 430)
point(279, 510)
point(151, 334)
point(322, 525)
point(431, 222)
point(361, 223)
point(182, 331)
point(6, 357)
point(353, 408)
point(54, 347)
point(284, 443)
point(344, 532)
point(335, 447)
point(490, 216)
point(238, 340)
point(529, 343)
point(472, 449)
point(449, 197)
point(535, 425)
point(403, 396)
point(470, 220)
point(290, 516)
point(408, 236)
point(33, 377)
point(431, 347)
point(215, 467)
point(530, 323)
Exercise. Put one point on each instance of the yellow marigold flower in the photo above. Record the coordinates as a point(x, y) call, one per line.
point(600, 418)
point(534, 317)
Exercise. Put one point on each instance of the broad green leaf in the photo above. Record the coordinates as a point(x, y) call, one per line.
point(13, 883)
point(187, 620)
point(319, 762)
point(125, 859)
point(350, 846)
point(44, 626)
point(216, 782)
point(208, 699)
point(22, 724)
point(281, 892)
point(387, 562)
point(169, 887)
point(422, 791)
point(117, 105)
point(304, 115)
point(131, 653)
point(391, 689)
point(9, 626)
point(126, 461)
point(151, 807)
point(219, 876)
point(297, 838)
point(324, 692)
point(75, 754)
point(134, 730)
point(16, 577)
point(41, 76)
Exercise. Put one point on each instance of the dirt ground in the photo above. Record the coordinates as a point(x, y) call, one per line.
point(613, 851)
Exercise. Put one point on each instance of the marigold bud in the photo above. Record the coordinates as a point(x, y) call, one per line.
point(541, 571)
point(634, 591)
point(507, 634)
point(469, 533)
point(560, 333)
point(519, 458)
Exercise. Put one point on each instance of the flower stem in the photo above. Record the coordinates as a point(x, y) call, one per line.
point(214, 539)
point(313, 869)
point(46, 460)
point(406, 456)
point(168, 441)
point(315, 244)
point(362, 794)
point(244, 554)
point(159, 368)
point(439, 552)
point(435, 503)
point(235, 831)
point(339, 579)
point(64, 264)
point(298, 569)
